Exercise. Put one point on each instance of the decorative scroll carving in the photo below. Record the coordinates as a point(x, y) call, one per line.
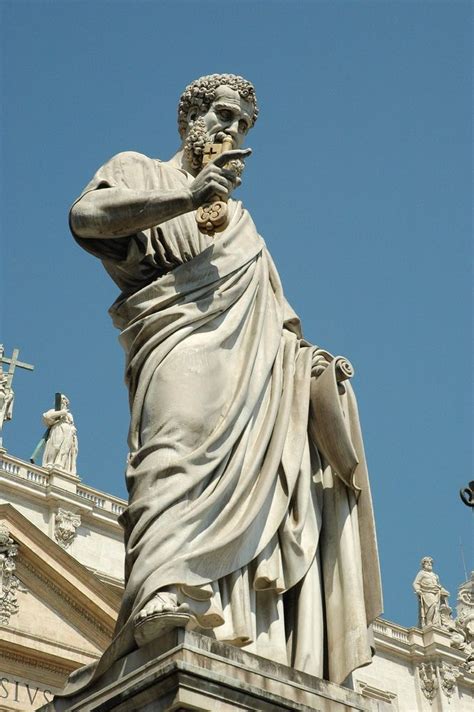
point(9, 583)
point(428, 680)
point(448, 675)
point(65, 526)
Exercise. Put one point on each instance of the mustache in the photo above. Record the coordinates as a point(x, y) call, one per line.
point(221, 136)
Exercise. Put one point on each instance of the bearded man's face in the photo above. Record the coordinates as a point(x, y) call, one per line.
point(228, 115)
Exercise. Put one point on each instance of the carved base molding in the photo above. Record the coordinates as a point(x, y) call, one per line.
point(188, 671)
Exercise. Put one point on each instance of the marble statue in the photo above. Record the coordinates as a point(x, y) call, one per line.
point(7, 394)
point(7, 398)
point(250, 516)
point(61, 445)
point(432, 597)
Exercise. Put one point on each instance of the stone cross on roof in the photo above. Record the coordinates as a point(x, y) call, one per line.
point(6, 379)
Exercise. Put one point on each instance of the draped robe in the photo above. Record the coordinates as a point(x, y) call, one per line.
point(230, 499)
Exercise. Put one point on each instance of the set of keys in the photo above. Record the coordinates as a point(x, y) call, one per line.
point(214, 216)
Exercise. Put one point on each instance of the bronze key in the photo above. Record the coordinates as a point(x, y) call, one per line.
point(214, 216)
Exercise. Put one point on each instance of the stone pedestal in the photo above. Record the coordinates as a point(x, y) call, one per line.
point(187, 671)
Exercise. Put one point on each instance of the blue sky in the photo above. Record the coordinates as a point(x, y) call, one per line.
point(360, 182)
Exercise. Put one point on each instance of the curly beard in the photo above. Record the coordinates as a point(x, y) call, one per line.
point(195, 142)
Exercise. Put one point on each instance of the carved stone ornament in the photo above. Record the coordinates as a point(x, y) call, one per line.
point(428, 680)
point(448, 675)
point(9, 583)
point(65, 526)
point(462, 629)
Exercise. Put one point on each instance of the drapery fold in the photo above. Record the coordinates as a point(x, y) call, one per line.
point(229, 498)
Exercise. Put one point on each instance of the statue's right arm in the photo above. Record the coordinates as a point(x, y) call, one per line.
point(51, 416)
point(416, 583)
point(111, 212)
point(118, 212)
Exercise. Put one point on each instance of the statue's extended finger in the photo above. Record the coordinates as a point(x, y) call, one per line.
point(227, 156)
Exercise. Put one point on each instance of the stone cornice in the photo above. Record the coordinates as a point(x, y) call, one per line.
point(46, 659)
point(417, 646)
point(57, 487)
point(115, 583)
point(90, 625)
point(25, 660)
point(49, 561)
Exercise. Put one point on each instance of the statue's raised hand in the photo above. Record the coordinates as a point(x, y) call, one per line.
point(217, 180)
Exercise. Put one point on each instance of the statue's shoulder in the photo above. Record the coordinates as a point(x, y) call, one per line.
point(129, 168)
point(132, 158)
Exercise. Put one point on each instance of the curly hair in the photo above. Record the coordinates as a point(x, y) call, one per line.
point(202, 91)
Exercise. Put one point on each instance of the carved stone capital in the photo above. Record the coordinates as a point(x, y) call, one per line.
point(65, 527)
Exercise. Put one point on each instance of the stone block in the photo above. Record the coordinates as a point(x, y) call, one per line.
point(183, 670)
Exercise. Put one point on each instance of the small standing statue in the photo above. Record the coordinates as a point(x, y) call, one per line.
point(7, 395)
point(432, 597)
point(61, 441)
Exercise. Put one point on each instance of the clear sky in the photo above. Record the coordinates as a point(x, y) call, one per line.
point(360, 182)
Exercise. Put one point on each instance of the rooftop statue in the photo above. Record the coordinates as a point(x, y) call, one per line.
point(433, 607)
point(250, 516)
point(7, 394)
point(61, 446)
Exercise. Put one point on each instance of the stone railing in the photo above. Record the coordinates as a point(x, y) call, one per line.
point(391, 630)
point(20, 469)
point(101, 500)
point(16, 469)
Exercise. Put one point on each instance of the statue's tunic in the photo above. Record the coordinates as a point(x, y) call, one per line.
point(61, 445)
point(428, 588)
point(229, 498)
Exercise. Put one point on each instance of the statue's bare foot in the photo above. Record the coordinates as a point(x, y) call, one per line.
point(160, 614)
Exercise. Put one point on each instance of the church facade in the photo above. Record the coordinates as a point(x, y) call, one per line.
point(61, 578)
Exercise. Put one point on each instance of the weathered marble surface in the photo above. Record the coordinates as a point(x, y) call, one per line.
point(250, 514)
point(189, 671)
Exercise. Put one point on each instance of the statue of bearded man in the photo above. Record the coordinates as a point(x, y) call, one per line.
point(249, 517)
point(432, 597)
